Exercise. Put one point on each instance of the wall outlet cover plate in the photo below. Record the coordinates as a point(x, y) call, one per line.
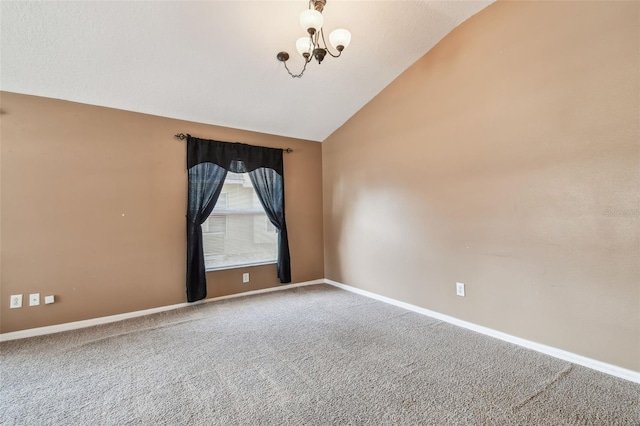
point(15, 301)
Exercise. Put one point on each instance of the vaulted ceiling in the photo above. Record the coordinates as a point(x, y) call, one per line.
point(215, 61)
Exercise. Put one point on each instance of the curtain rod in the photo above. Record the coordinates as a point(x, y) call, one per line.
point(182, 137)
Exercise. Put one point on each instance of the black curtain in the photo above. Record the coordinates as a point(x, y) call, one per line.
point(205, 184)
point(269, 187)
point(208, 162)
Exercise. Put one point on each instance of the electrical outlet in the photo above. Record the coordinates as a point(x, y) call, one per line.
point(460, 289)
point(49, 299)
point(34, 299)
point(16, 301)
point(245, 277)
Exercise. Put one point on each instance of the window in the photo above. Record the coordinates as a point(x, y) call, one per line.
point(238, 232)
point(215, 225)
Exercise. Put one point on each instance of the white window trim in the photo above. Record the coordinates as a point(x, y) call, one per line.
point(242, 265)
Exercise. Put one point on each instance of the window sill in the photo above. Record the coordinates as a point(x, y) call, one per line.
point(241, 265)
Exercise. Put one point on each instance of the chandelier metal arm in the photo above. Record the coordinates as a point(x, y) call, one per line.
point(326, 46)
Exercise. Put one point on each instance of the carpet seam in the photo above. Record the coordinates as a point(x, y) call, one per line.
point(559, 376)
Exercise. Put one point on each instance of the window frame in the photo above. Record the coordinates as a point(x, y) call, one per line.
point(226, 212)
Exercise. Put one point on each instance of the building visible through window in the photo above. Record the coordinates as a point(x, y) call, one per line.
point(238, 231)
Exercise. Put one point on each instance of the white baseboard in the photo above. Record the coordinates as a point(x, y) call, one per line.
point(603, 367)
point(611, 369)
point(40, 331)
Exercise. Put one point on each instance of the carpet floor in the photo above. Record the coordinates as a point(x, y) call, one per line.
point(312, 355)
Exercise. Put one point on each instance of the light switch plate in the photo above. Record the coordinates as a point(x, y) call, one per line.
point(49, 300)
point(34, 299)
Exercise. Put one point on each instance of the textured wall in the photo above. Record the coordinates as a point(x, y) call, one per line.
point(506, 158)
point(93, 210)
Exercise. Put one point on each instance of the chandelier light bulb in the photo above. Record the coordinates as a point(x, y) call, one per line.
point(303, 45)
point(311, 21)
point(340, 39)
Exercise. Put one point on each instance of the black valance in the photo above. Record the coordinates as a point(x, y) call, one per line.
point(233, 156)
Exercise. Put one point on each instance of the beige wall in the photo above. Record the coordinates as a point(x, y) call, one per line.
point(506, 158)
point(93, 211)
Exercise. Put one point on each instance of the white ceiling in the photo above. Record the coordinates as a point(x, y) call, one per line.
point(215, 61)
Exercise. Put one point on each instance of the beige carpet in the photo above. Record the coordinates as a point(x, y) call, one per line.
point(313, 355)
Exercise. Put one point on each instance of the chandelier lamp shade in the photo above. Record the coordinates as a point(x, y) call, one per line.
point(314, 46)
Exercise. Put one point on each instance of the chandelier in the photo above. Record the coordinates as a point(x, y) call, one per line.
point(315, 46)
